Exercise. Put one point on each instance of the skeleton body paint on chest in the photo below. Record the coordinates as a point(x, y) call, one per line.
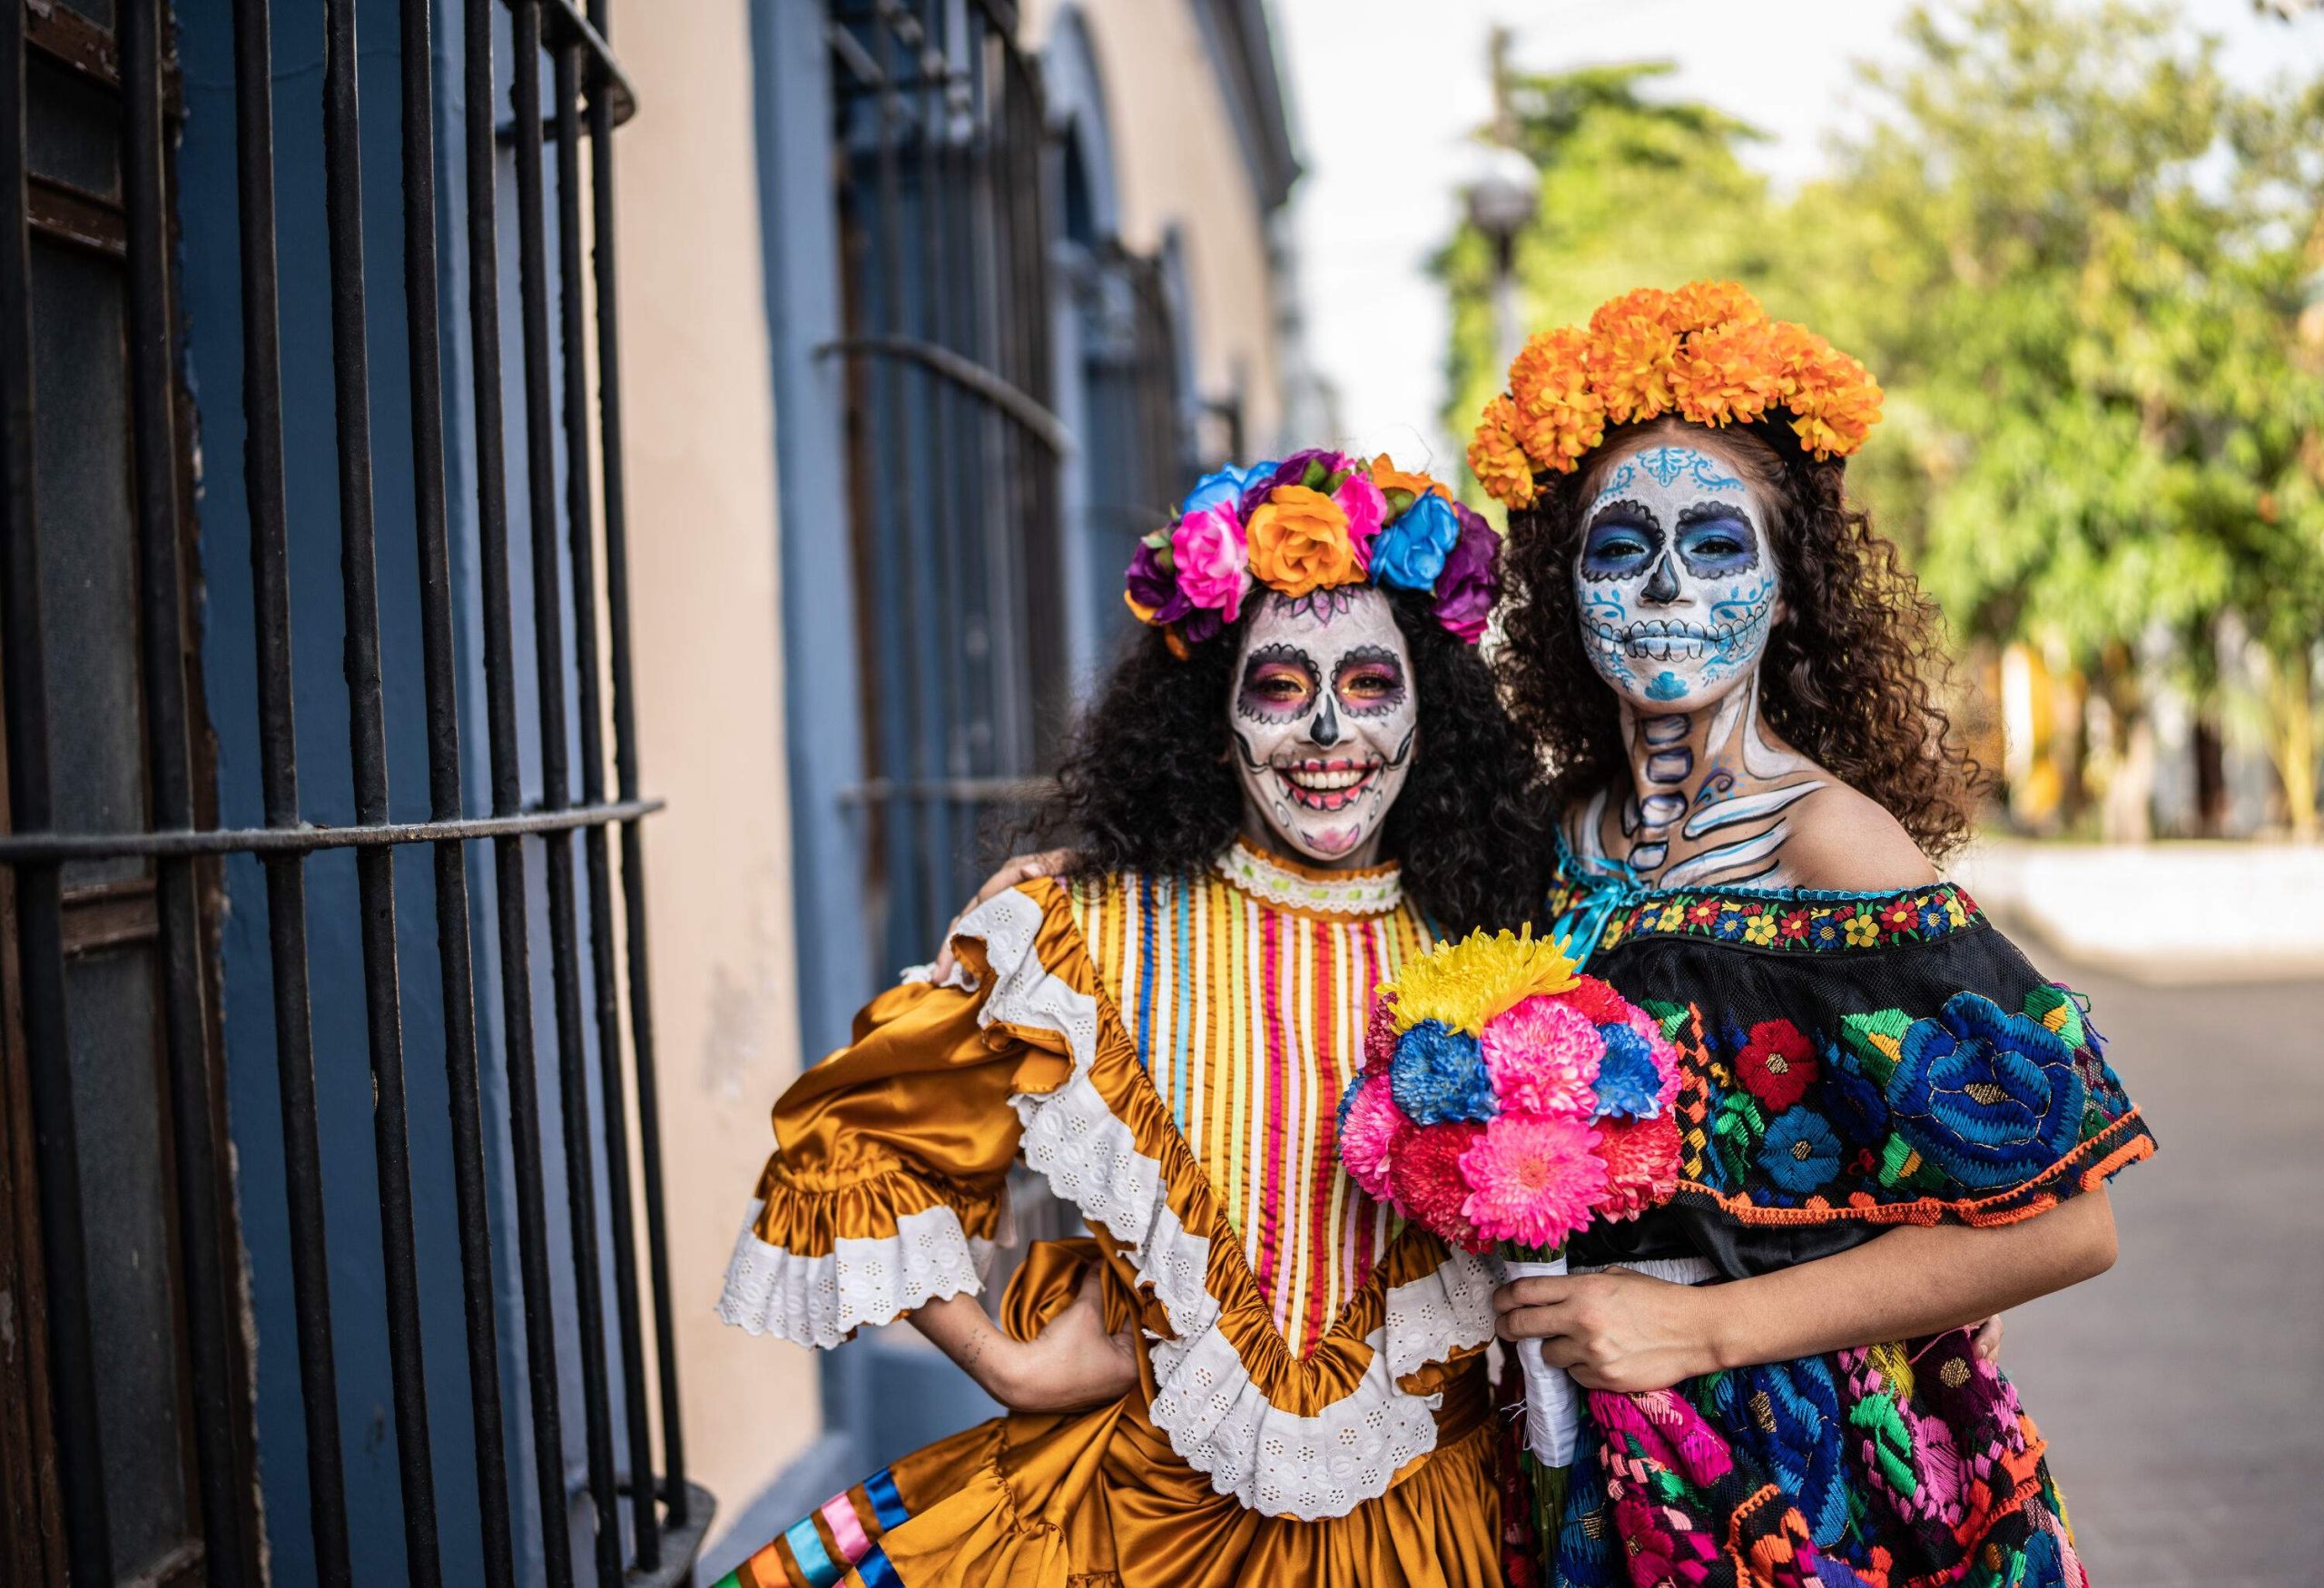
point(1324, 718)
point(1677, 591)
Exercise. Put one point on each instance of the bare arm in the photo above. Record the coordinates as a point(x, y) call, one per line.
point(1072, 1363)
point(1623, 1331)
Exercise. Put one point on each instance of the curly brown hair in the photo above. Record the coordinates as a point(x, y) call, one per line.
point(1851, 677)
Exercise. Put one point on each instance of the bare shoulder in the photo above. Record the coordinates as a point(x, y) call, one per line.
point(1841, 839)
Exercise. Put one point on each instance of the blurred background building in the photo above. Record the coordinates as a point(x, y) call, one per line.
point(504, 430)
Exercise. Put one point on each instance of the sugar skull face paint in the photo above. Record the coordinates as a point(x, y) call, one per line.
point(1675, 579)
point(1324, 716)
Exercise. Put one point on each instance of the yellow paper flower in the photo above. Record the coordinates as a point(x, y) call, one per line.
point(1388, 478)
point(1496, 460)
point(1629, 361)
point(1298, 542)
point(1700, 305)
point(1730, 374)
point(1558, 416)
point(1464, 985)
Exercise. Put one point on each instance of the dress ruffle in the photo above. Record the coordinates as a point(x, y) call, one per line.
point(793, 1274)
point(1304, 1437)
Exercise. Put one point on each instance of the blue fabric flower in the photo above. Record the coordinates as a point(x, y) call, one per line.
point(1410, 553)
point(1439, 1074)
point(1628, 1083)
point(1227, 485)
point(1992, 1097)
point(1801, 1154)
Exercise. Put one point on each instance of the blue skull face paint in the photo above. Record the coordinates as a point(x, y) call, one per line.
point(1676, 583)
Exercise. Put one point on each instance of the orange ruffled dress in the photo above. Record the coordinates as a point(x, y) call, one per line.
point(1169, 1055)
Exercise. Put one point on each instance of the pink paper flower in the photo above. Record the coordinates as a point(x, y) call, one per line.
point(1542, 1054)
point(1213, 567)
point(1533, 1181)
point(1365, 509)
point(1371, 1132)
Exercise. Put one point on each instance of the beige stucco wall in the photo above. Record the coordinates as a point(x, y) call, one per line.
point(698, 395)
point(1178, 163)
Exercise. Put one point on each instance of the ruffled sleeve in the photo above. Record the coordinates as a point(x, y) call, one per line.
point(884, 1189)
point(1913, 1077)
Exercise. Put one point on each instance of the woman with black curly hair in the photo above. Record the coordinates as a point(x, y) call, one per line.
point(1250, 1374)
point(1891, 1127)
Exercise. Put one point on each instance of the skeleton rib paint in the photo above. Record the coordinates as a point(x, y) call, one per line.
point(1678, 592)
point(1324, 718)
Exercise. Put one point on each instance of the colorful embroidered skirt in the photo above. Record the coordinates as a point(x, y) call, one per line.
point(1901, 1466)
point(1099, 1500)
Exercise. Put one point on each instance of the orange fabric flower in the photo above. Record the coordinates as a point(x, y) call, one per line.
point(1630, 360)
point(1298, 542)
point(1388, 478)
point(1730, 374)
point(1496, 460)
point(1558, 416)
point(1700, 305)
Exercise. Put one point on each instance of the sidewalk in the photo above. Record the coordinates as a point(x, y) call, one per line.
point(2162, 915)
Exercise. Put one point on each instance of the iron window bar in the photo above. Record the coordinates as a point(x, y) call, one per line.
point(665, 1539)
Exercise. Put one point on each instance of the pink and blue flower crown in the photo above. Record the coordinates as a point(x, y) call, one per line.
point(1315, 521)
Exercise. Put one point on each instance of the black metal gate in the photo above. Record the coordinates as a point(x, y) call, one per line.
point(149, 866)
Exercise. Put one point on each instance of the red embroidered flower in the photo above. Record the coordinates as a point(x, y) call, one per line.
point(1701, 910)
point(1777, 1065)
point(1899, 916)
point(1795, 925)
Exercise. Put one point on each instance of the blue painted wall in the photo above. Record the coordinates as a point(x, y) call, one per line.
point(210, 288)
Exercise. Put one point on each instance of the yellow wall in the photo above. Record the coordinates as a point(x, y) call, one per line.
point(1178, 163)
point(699, 399)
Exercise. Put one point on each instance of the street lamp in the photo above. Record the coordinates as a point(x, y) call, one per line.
point(1502, 195)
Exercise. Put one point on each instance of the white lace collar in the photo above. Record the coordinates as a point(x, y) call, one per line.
point(1365, 890)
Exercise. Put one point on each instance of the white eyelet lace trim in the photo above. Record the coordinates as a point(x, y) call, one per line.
point(1217, 1418)
point(1371, 893)
point(821, 1301)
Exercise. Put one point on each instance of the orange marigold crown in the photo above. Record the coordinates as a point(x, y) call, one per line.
point(1707, 352)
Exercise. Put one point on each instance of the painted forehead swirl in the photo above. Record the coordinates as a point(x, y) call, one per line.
point(1668, 474)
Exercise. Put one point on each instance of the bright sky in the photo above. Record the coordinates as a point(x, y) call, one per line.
point(1384, 93)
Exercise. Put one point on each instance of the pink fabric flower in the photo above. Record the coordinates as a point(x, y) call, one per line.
point(1212, 567)
point(1370, 1136)
point(1532, 1180)
point(1641, 1160)
point(1366, 510)
point(1426, 1179)
point(1542, 1054)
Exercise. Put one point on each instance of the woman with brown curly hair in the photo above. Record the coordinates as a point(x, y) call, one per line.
point(1890, 1126)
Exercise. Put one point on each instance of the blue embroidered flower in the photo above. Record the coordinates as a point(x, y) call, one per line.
point(1628, 1083)
point(1990, 1097)
point(1801, 1154)
point(1439, 1074)
point(1729, 926)
point(1410, 553)
point(1787, 1415)
point(1933, 921)
point(1226, 486)
point(1851, 1100)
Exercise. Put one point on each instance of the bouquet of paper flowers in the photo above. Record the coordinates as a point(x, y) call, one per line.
point(1505, 1103)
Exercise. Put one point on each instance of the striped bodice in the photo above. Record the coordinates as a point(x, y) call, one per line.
point(1248, 1013)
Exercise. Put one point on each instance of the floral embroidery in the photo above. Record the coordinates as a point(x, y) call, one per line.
point(1777, 1065)
point(1780, 924)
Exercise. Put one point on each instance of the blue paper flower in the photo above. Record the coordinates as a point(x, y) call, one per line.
point(1800, 1153)
point(1993, 1097)
point(1628, 1085)
point(1439, 1074)
point(1410, 553)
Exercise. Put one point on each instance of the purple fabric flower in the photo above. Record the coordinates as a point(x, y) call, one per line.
point(1294, 471)
point(1152, 584)
point(1469, 583)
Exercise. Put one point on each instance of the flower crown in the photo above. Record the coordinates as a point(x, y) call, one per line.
point(1708, 352)
point(1313, 521)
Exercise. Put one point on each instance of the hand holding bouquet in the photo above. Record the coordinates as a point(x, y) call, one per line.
point(1505, 1102)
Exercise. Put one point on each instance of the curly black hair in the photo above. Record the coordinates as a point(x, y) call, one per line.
point(1147, 782)
point(1852, 676)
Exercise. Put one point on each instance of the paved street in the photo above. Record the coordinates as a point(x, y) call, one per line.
point(2182, 1394)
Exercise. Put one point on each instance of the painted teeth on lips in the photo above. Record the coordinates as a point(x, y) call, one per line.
point(1327, 785)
